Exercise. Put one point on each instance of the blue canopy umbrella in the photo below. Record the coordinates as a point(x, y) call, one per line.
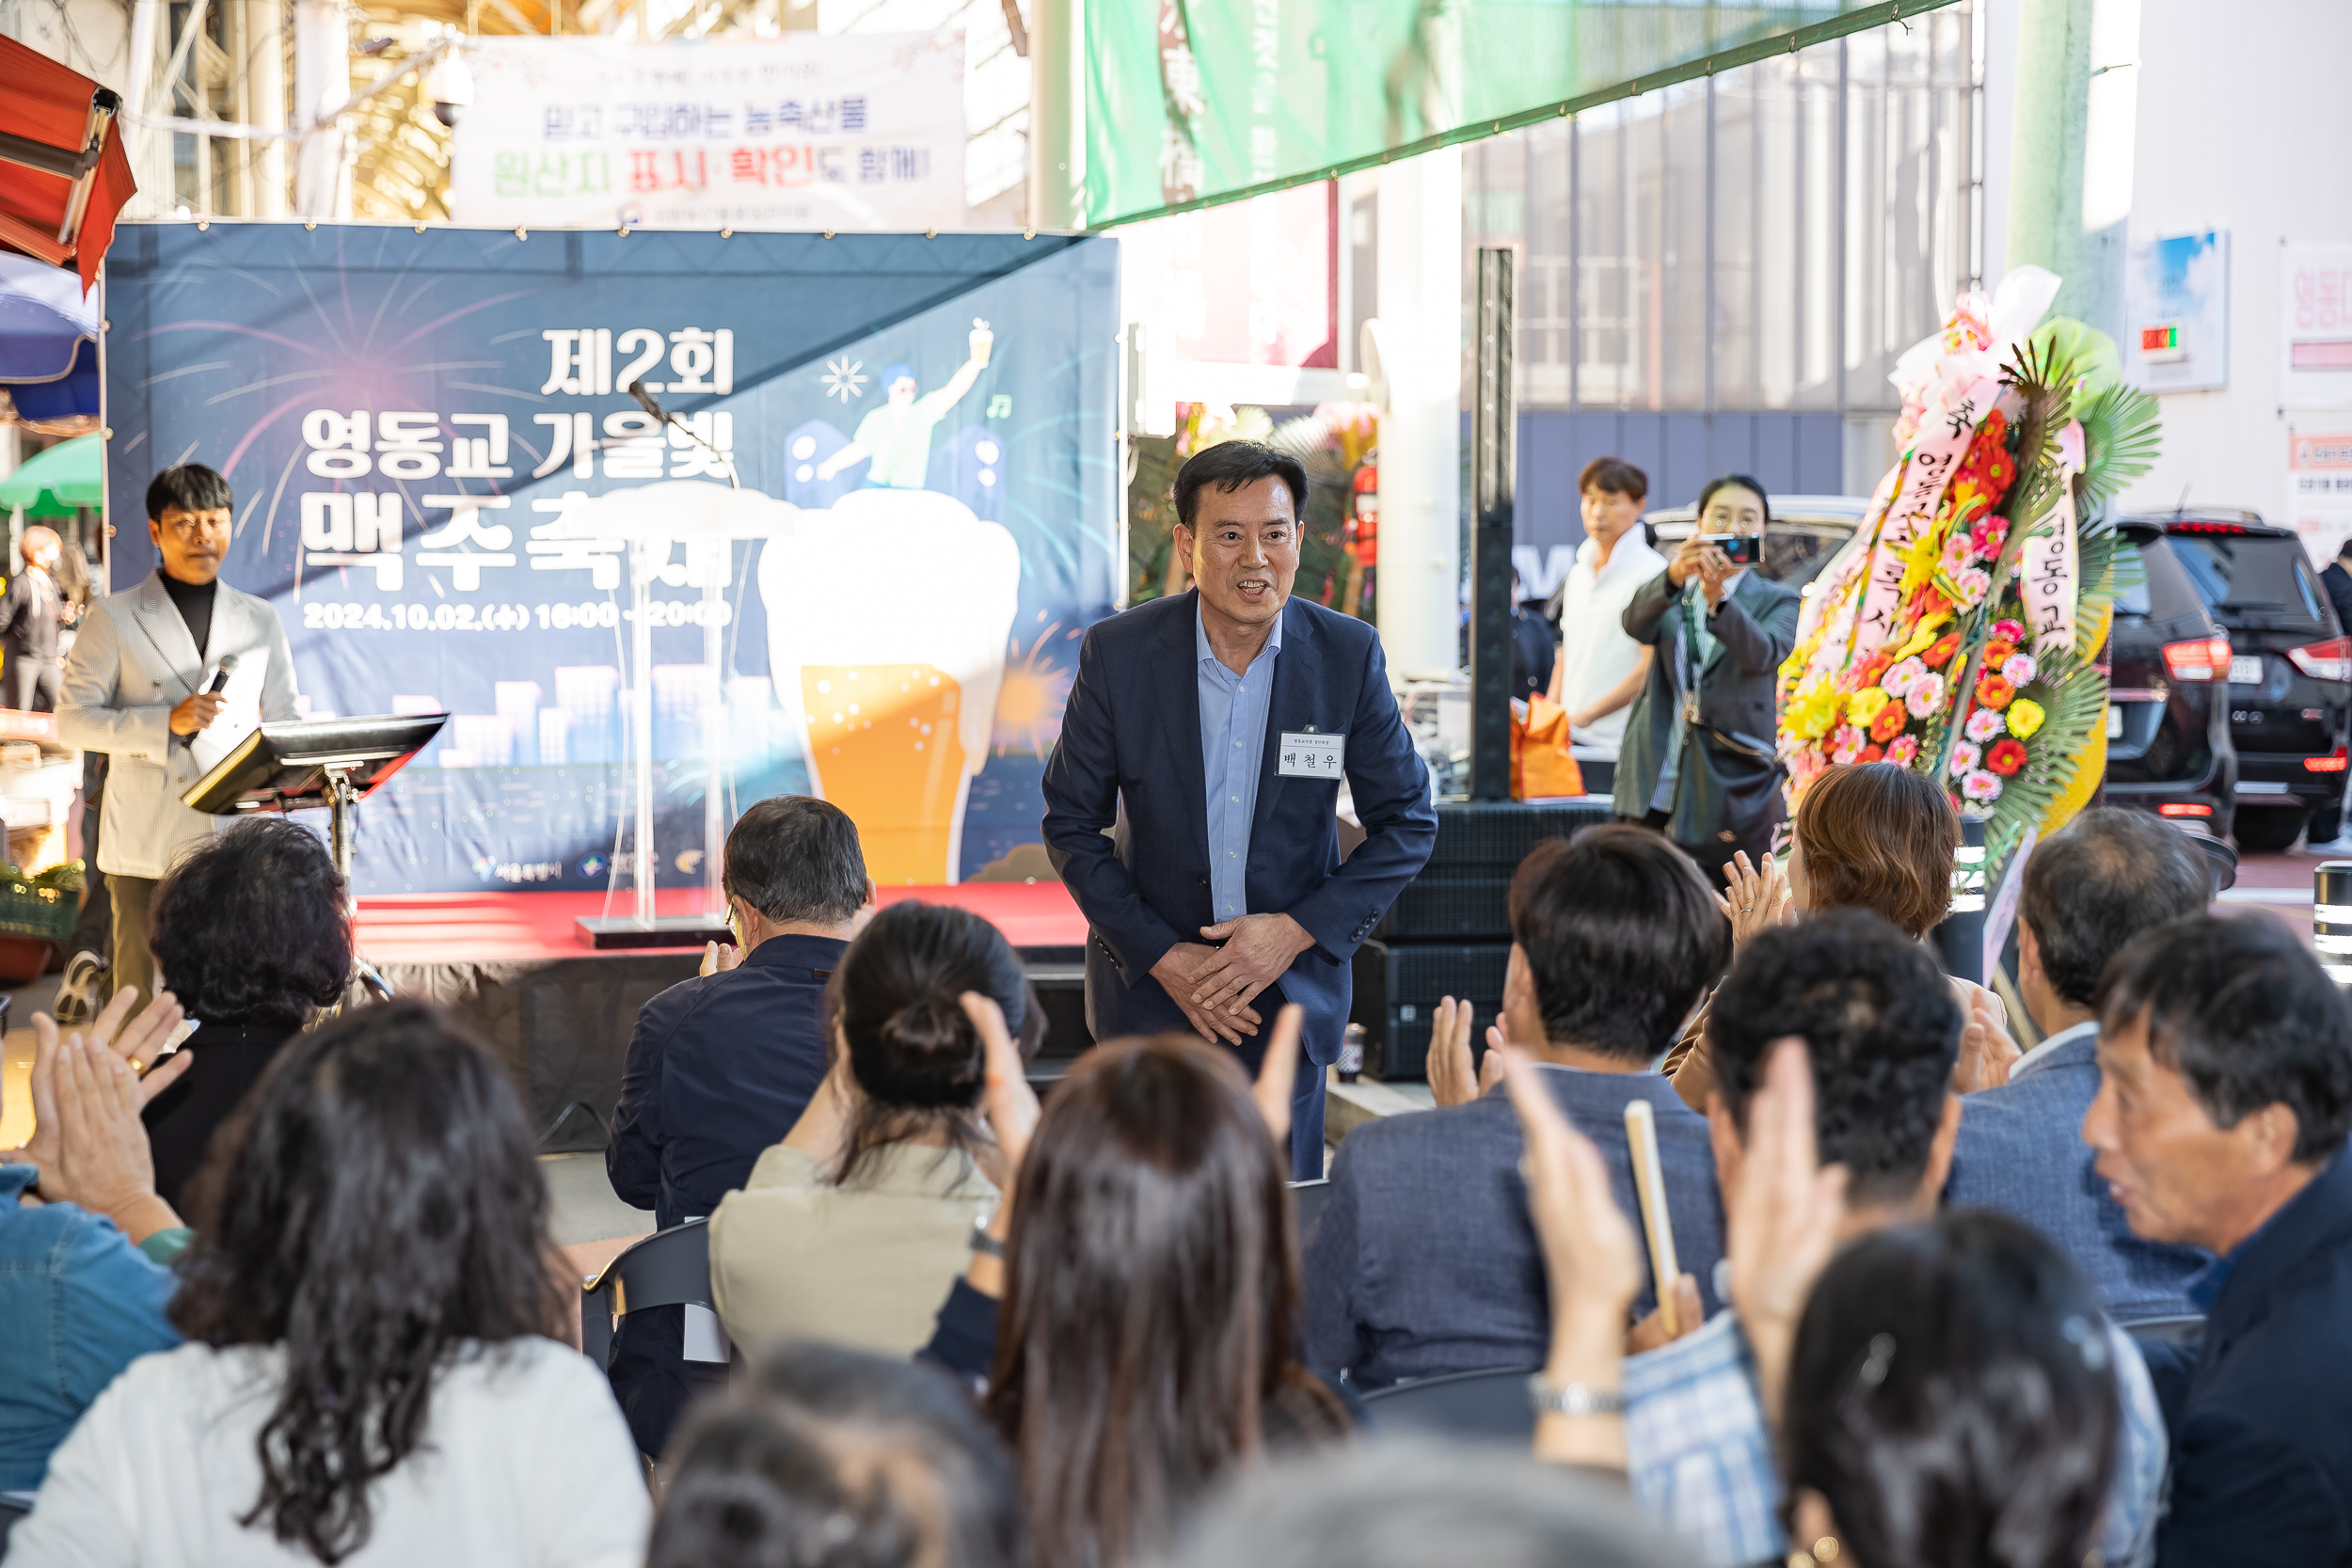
point(48, 341)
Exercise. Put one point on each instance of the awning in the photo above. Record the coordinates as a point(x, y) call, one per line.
point(48, 342)
point(54, 482)
point(63, 173)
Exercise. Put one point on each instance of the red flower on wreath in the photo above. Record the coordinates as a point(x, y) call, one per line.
point(2007, 756)
point(1994, 690)
point(1889, 720)
point(1940, 653)
point(1998, 651)
point(1871, 753)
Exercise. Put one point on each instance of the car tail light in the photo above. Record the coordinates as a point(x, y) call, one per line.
point(2331, 661)
point(2334, 762)
point(2185, 808)
point(2199, 658)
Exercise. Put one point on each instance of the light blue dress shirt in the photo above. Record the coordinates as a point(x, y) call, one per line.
point(1233, 713)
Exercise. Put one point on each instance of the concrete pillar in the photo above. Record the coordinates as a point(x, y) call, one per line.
point(2070, 172)
point(322, 84)
point(1057, 165)
point(1420, 270)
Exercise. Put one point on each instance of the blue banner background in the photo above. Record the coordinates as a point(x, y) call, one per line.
point(221, 342)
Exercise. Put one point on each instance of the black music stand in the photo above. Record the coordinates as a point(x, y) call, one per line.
point(334, 763)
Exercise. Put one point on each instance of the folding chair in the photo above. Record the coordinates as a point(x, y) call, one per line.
point(1307, 1199)
point(670, 1268)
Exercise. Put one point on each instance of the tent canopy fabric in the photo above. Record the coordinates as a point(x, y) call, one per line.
point(1250, 97)
point(48, 341)
point(56, 481)
point(45, 123)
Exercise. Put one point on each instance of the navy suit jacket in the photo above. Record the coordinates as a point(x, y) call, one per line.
point(2021, 1150)
point(1129, 762)
point(2261, 1410)
point(1424, 1261)
point(721, 1066)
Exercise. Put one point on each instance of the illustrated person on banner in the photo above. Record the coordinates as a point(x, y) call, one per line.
point(1191, 805)
point(145, 685)
point(897, 434)
point(31, 613)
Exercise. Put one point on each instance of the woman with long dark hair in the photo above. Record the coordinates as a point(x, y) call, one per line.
point(367, 1377)
point(851, 1228)
point(1146, 1344)
point(251, 932)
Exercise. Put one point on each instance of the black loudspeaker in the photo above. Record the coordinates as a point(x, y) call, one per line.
point(1397, 990)
point(1461, 895)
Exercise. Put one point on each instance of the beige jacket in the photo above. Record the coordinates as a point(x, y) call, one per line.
point(794, 1256)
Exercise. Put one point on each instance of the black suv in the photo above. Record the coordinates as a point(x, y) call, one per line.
point(2169, 746)
point(2290, 672)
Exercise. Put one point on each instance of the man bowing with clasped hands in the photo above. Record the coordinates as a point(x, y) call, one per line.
point(1191, 804)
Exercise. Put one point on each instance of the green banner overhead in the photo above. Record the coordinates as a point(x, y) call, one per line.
point(1192, 102)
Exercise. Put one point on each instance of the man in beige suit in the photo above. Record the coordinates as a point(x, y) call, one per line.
point(135, 685)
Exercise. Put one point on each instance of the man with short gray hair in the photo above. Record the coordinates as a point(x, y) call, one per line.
point(723, 1065)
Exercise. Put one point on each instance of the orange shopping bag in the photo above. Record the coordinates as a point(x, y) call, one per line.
point(1541, 763)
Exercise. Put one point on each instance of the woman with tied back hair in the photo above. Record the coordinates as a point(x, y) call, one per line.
point(1871, 836)
point(830, 1458)
point(1148, 1269)
point(1951, 1402)
point(251, 932)
point(369, 1377)
point(851, 1228)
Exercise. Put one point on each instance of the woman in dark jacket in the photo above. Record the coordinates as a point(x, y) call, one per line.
point(252, 933)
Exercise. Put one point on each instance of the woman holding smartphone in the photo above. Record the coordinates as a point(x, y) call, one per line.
point(1698, 762)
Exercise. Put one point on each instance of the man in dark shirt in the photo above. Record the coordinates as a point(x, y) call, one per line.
point(2225, 1094)
point(721, 1066)
point(2337, 579)
point(1424, 1260)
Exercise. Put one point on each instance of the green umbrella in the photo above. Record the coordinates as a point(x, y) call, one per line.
point(51, 483)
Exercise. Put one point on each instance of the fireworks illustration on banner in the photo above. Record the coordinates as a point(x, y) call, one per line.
point(843, 378)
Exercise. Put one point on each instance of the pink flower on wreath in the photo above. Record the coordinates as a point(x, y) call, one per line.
point(1980, 785)
point(2008, 631)
point(1847, 743)
point(1974, 584)
point(1964, 759)
point(1899, 681)
point(2018, 669)
point(1958, 555)
point(1903, 750)
point(1984, 724)
point(1988, 534)
point(1926, 695)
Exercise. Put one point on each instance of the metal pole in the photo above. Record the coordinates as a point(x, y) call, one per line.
point(1492, 454)
point(717, 755)
point(641, 724)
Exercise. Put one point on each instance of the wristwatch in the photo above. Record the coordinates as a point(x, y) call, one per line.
point(1575, 1399)
point(983, 1240)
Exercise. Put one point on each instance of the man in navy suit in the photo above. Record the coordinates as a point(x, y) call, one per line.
point(2088, 891)
point(2225, 1093)
point(1191, 805)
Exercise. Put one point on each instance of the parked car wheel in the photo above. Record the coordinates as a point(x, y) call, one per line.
point(2327, 823)
point(2267, 830)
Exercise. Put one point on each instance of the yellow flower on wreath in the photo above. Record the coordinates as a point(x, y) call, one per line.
point(1808, 716)
point(1864, 705)
point(2024, 717)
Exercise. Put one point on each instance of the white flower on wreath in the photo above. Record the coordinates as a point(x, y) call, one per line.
point(1897, 681)
point(1974, 584)
point(1981, 786)
point(1964, 759)
point(1984, 724)
point(2019, 669)
point(1926, 695)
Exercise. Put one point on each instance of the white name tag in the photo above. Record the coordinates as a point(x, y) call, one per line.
point(1310, 756)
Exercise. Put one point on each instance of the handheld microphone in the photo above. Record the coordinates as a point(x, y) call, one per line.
point(645, 400)
point(227, 662)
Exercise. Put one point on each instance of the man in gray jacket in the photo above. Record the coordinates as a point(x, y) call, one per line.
point(135, 687)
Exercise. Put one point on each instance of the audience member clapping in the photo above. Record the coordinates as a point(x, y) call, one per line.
point(852, 1228)
point(252, 932)
point(1149, 1285)
point(85, 1242)
point(1870, 836)
point(369, 1377)
point(831, 1458)
point(2225, 1095)
point(1423, 1261)
point(2089, 890)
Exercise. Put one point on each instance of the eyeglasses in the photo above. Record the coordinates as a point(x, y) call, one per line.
point(187, 524)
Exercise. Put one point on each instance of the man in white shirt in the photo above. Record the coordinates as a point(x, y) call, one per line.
point(1600, 669)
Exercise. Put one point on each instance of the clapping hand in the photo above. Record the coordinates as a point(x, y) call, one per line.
point(138, 1043)
point(89, 1099)
point(1757, 900)
point(1986, 1052)
point(1451, 1082)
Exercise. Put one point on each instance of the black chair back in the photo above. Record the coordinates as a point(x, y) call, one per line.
point(1490, 1405)
point(2166, 1331)
point(13, 1508)
point(670, 1268)
point(1308, 1199)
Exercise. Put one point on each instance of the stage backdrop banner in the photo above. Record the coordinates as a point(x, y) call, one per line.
point(415, 426)
point(806, 131)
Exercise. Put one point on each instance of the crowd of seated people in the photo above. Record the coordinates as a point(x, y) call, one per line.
point(1940, 1302)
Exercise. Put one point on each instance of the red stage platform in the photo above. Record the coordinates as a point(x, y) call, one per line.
point(489, 927)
